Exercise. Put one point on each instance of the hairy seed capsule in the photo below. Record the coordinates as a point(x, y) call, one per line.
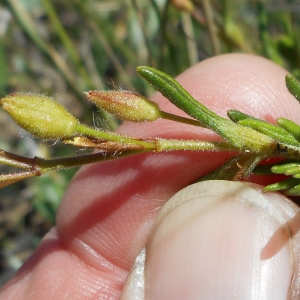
point(40, 115)
point(126, 105)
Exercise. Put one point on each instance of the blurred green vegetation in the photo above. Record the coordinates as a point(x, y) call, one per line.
point(63, 48)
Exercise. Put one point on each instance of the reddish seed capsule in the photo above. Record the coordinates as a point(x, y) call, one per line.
point(126, 105)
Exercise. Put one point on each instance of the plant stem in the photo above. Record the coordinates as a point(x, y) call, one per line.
point(14, 160)
point(114, 137)
point(192, 145)
point(62, 163)
point(168, 116)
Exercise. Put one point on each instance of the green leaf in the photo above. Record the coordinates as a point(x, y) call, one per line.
point(273, 131)
point(173, 91)
point(279, 167)
point(282, 185)
point(294, 191)
point(293, 86)
point(236, 115)
point(287, 169)
point(241, 137)
point(290, 127)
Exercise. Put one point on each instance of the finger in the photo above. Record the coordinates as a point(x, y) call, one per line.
point(220, 239)
point(108, 211)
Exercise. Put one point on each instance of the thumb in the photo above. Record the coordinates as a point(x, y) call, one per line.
point(221, 240)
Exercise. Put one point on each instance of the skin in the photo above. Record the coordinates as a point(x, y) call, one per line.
point(108, 211)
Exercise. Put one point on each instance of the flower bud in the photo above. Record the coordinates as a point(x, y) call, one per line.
point(126, 105)
point(40, 115)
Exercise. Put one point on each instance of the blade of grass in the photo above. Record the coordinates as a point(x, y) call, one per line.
point(67, 43)
point(212, 26)
point(29, 27)
point(190, 38)
point(3, 70)
point(267, 42)
point(110, 53)
point(148, 43)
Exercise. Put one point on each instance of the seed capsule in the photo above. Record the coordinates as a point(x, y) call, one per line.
point(126, 105)
point(40, 115)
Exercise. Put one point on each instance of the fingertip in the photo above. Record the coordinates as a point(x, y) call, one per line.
point(208, 240)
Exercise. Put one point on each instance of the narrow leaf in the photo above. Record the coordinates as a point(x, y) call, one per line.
point(294, 191)
point(293, 86)
point(241, 137)
point(236, 115)
point(282, 185)
point(283, 169)
point(293, 170)
point(172, 90)
point(276, 132)
point(290, 127)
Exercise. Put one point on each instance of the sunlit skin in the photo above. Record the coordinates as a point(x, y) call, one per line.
point(108, 210)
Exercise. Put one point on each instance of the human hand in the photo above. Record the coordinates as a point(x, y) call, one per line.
point(109, 209)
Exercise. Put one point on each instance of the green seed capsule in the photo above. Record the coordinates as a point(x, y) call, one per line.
point(126, 105)
point(40, 116)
